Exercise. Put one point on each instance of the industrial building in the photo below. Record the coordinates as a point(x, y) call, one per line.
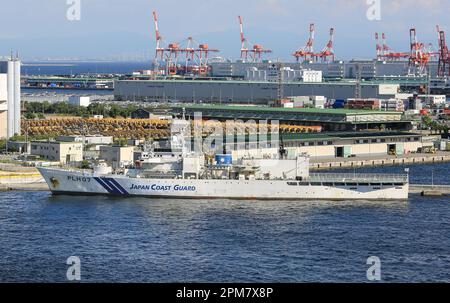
point(250, 92)
point(10, 105)
point(328, 119)
point(287, 74)
point(88, 140)
point(62, 152)
point(370, 69)
point(83, 101)
point(141, 114)
point(117, 156)
point(333, 145)
point(3, 106)
point(68, 83)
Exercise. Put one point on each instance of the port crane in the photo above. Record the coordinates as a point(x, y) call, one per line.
point(307, 52)
point(168, 54)
point(444, 54)
point(384, 52)
point(379, 48)
point(328, 52)
point(196, 55)
point(159, 53)
point(248, 51)
point(420, 57)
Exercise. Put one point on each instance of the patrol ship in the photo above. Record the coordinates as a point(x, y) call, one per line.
point(185, 175)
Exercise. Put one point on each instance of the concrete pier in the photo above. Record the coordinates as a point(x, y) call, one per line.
point(324, 164)
point(20, 178)
point(430, 190)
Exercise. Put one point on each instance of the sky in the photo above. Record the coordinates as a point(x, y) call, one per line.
point(124, 30)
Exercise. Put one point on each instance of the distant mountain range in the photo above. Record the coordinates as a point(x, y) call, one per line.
point(137, 47)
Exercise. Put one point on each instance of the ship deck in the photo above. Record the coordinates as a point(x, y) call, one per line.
point(358, 178)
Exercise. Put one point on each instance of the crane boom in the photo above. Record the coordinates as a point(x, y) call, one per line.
point(155, 18)
point(241, 24)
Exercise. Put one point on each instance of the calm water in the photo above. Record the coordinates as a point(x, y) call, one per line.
point(146, 240)
point(75, 68)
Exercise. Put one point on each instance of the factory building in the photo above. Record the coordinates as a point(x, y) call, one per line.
point(334, 145)
point(10, 106)
point(62, 152)
point(80, 101)
point(244, 92)
point(88, 140)
point(141, 114)
point(370, 69)
point(117, 156)
point(287, 74)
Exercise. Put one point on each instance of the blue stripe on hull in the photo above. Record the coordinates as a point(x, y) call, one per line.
point(118, 186)
point(112, 186)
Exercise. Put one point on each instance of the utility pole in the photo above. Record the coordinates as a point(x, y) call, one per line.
point(358, 93)
point(428, 86)
point(280, 89)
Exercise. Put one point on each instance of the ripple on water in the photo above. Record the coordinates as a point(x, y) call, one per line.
point(145, 240)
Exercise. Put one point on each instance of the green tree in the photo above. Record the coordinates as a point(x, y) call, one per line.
point(85, 164)
point(30, 115)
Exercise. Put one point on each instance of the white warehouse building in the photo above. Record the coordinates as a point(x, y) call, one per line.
point(288, 75)
point(10, 99)
point(80, 101)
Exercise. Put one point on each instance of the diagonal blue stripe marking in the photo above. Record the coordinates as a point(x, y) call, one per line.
point(124, 191)
point(105, 186)
point(113, 186)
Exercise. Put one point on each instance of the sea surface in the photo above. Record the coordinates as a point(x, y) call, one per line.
point(149, 240)
point(60, 68)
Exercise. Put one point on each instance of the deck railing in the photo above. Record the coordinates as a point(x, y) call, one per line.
point(371, 178)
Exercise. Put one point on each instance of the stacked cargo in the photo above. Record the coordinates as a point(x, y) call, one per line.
point(308, 101)
point(339, 104)
point(393, 105)
point(363, 104)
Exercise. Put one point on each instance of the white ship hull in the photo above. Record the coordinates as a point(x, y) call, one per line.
point(79, 183)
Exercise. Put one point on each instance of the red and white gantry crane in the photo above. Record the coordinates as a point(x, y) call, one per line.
point(307, 52)
point(249, 52)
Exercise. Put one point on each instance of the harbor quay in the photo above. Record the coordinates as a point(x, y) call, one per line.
point(374, 161)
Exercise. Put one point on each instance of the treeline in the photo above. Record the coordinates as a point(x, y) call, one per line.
point(436, 126)
point(40, 109)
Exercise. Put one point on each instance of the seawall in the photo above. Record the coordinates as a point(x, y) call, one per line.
point(388, 161)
